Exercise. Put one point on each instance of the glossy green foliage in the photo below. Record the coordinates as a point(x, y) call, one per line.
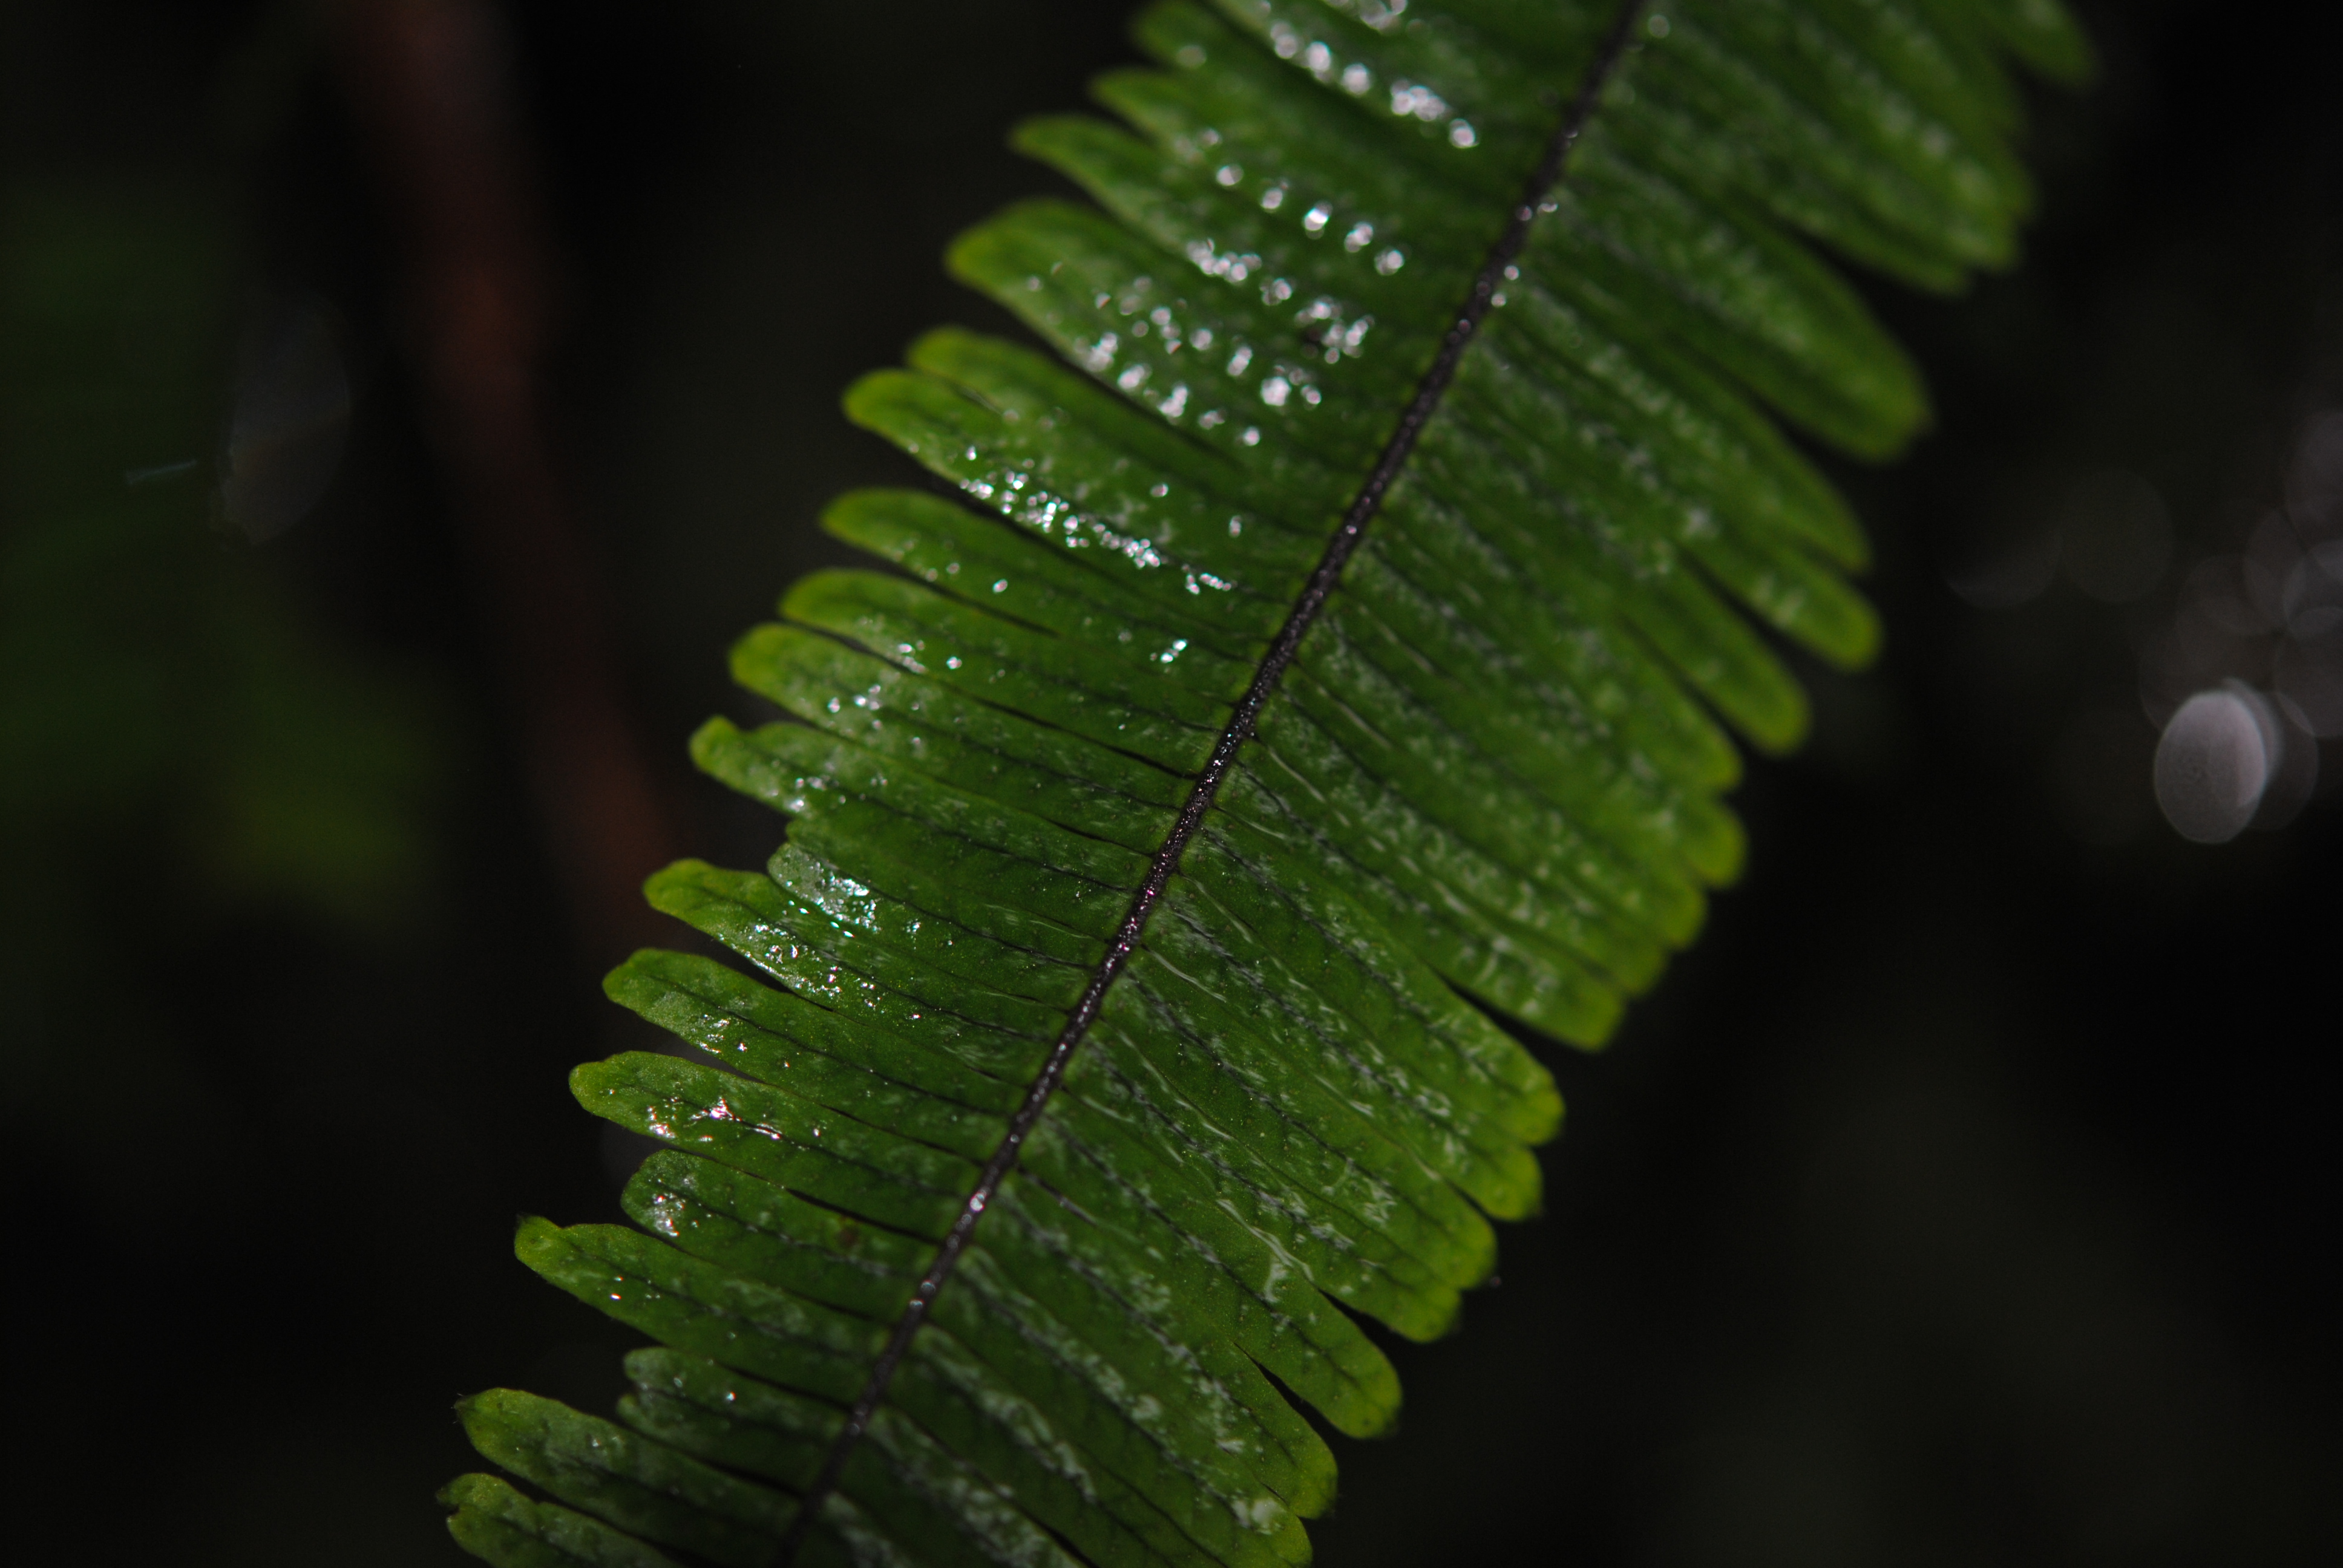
point(1489, 784)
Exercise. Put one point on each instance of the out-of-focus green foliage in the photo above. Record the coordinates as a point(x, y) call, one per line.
point(155, 682)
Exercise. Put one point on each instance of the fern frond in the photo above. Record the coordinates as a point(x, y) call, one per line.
point(1342, 632)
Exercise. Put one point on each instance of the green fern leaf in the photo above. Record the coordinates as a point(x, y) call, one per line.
point(1336, 641)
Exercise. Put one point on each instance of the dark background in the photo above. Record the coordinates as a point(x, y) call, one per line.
point(1966, 1196)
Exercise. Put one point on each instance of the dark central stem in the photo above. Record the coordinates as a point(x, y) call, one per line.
point(1305, 611)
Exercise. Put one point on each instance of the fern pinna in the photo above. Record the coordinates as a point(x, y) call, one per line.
point(1340, 643)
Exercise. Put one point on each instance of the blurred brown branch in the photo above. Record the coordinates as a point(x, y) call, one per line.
point(428, 85)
